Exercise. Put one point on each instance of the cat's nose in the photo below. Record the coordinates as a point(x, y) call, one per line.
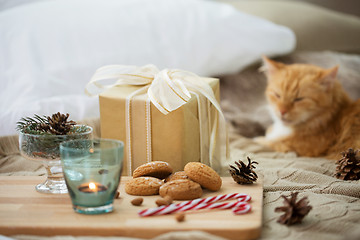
point(283, 111)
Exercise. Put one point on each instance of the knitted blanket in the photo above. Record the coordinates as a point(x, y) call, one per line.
point(336, 203)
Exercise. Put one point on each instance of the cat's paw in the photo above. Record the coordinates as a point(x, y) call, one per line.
point(277, 146)
point(280, 147)
point(262, 141)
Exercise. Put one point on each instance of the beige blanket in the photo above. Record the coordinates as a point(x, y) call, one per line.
point(336, 203)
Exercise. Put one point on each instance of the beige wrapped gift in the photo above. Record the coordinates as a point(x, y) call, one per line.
point(168, 115)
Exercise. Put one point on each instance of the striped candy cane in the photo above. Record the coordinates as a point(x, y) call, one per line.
point(203, 203)
point(239, 208)
point(239, 196)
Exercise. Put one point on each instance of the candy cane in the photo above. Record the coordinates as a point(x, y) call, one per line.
point(239, 196)
point(243, 206)
point(201, 203)
point(241, 209)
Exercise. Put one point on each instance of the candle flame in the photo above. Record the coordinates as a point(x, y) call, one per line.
point(91, 150)
point(92, 186)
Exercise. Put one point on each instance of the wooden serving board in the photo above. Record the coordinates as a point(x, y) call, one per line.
point(25, 211)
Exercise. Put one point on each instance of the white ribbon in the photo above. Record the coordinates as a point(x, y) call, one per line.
point(168, 90)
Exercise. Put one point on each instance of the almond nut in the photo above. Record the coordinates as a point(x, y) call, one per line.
point(117, 195)
point(180, 217)
point(137, 201)
point(161, 202)
point(168, 199)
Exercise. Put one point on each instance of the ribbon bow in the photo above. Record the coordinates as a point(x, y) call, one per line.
point(167, 89)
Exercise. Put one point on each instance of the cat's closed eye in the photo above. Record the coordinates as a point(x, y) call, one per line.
point(298, 99)
point(276, 94)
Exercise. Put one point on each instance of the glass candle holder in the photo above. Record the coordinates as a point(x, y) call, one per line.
point(92, 171)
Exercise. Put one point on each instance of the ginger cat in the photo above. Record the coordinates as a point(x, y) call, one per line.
point(312, 113)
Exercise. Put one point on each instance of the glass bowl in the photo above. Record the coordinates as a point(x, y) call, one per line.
point(45, 148)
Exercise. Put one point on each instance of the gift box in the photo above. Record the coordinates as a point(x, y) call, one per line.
point(168, 115)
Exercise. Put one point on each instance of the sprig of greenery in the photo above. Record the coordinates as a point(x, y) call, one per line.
point(45, 125)
point(31, 125)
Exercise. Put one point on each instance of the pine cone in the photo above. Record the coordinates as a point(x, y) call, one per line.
point(59, 125)
point(42, 127)
point(244, 174)
point(294, 211)
point(348, 167)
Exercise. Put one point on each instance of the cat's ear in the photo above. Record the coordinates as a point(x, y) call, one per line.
point(328, 77)
point(270, 66)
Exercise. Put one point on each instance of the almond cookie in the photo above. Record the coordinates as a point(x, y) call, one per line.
point(143, 186)
point(176, 175)
point(156, 169)
point(181, 189)
point(204, 175)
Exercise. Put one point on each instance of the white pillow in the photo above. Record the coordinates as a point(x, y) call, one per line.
point(50, 49)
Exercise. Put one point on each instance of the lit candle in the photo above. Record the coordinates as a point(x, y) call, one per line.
point(92, 187)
